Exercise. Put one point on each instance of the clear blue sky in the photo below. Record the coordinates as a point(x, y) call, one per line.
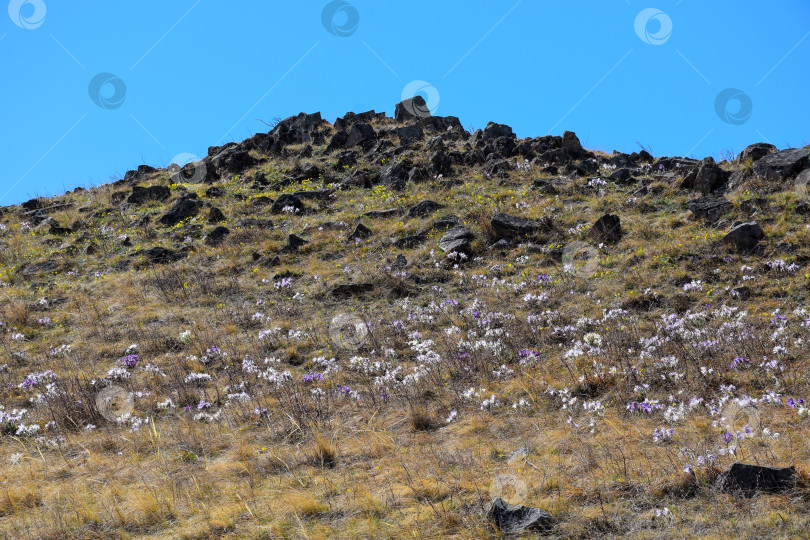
point(187, 74)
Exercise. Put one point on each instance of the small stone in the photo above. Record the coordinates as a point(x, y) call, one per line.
point(361, 231)
point(215, 215)
point(513, 519)
point(217, 236)
point(424, 209)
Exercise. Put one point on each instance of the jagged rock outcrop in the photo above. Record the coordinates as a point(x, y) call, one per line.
point(706, 177)
point(411, 108)
point(779, 166)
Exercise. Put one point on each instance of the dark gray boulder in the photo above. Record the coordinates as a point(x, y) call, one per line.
point(346, 159)
point(755, 151)
point(444, 223)
point(338, 140)
point(709, 208)
point(410, 242)
point(571, 141)
point(122, 266)
point(410, 134)
point(501, 245)
point(447, 125)
point(498, 168)
point(411, 108)
point(493, 131)
point(802, 181)
point(286, 201)
point(509, 226)
point(589, 166)
point(233, 161)
point(607, 229)
point(544, 185)
point(361, 231)
point(352, 118)
point(747, 480)
point(706, 177)
point(400, 263)
point(417, 174)
point(141, 172)
point(424, 209)
point(215, 215)
point(33, 204)
point(621, 161)
point(217, 236)
point(514, 519)
point(141, 195)
point(181, 211)
point(360, 134)
point(303, 121)
point(294, 242)
point(40, 267)
point(160, 255)
point(741, 293)
point(621, 175)
point(782, 165)
point(745, 236)
point(395, 176)
point(57, 230)
point(440, 163)
point(194, 172)
point(457, 239)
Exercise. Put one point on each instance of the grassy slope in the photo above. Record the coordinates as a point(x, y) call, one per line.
point(329, 465)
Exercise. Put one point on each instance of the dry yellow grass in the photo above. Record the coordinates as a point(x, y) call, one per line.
point(404, 464)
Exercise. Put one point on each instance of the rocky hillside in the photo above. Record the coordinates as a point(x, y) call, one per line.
point(390, 327)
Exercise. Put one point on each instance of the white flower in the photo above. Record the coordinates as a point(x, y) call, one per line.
point(593, 339)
